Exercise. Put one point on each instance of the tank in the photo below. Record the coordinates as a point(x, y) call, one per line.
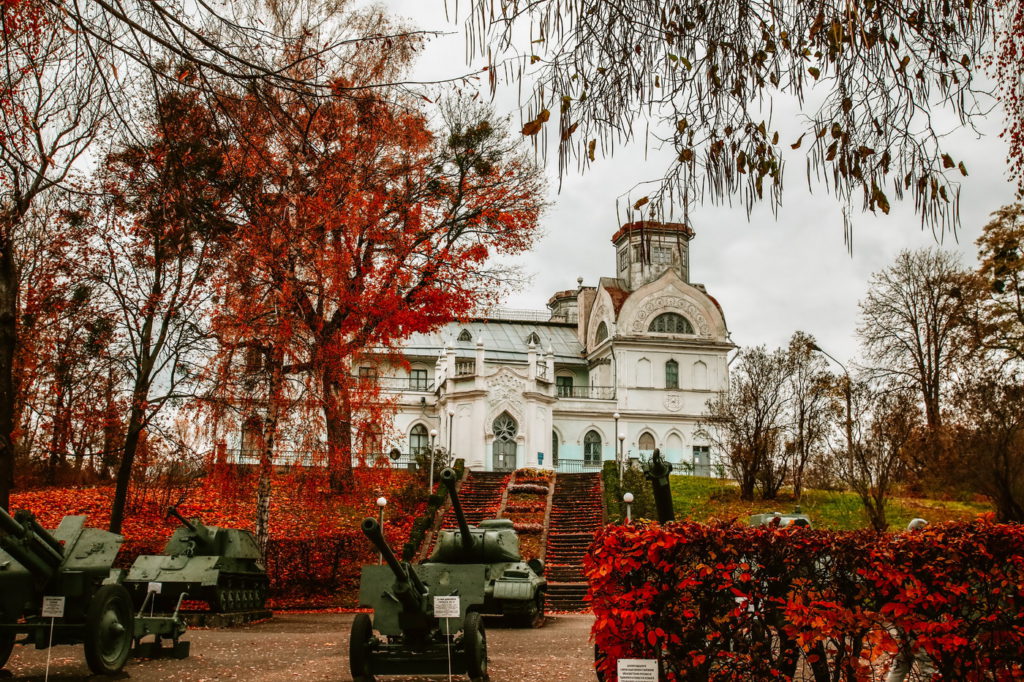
point(221, 566)
point(514, 588)
point(407, 635)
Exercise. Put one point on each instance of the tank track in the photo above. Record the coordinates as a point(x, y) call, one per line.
point(238, 592)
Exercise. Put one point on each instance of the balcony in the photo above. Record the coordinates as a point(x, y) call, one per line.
point(465, 368)
point(421, 384)
point(587, 392)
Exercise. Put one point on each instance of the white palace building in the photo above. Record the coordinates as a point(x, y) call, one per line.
point(614, 369)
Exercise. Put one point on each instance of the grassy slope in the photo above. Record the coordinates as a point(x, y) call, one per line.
point(707, 499)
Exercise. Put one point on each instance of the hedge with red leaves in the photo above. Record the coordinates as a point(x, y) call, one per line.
point(730, 603)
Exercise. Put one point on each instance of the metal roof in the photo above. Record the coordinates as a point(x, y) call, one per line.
point(504, 341)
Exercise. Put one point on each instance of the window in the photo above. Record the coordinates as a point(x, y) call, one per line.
point(563, 387)
point(418, 440)
point(554, 449)
point(646, 441)
point(623, 259)
point(368, 373)
point(602, 333)
point(464, 335)
point(662, 255)
point(671, 374)
point(533, 338)
point(418, 379)
point(592, 449)
point(671, 323)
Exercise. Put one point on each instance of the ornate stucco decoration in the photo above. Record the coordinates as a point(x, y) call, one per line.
point(673, 402)
point(662, 304)
point(505, 394)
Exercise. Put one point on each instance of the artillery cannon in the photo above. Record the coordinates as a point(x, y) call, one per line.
point(221, 566)
point(73, 563)
point(514, 588)
point(414, 640)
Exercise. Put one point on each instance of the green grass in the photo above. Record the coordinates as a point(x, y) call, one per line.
point(707, 499)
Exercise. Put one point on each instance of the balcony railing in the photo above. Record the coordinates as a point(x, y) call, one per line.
point(400, 383)
point(465, 368)
point(587, 392)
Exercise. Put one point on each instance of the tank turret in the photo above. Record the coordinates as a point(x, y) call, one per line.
point(515, 588)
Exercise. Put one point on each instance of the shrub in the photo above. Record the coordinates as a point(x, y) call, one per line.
point(733, 603)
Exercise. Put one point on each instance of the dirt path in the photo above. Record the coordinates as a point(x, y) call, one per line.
point(315, 647)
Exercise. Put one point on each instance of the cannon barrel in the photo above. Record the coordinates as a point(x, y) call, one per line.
point(408, 588)
point(173, 511)
point(448, 477)
point(30, 544)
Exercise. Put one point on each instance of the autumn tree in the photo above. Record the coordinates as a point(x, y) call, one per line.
point(990, 437)
point(911, 324)
point(748, 422)
point(885, 424)
point(369, 226)
point(870, 81)
point(999, 319)
point(809, 408)
point(166, 221)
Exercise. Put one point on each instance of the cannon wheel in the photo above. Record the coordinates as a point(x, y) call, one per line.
point(475, 640)
point(109, 628)
point(359, 648)
point(6, 646)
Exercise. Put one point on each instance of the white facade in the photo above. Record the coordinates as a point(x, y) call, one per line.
point(522, 389)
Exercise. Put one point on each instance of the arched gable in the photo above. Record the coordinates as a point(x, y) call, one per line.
point(670, 294)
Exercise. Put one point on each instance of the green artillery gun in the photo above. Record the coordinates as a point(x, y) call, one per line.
point(221, 566)
point(74, 563)
point(412, 640)
point(514, 588)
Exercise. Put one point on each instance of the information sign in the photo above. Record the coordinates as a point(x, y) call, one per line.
point(638, 670)
point(447, 607)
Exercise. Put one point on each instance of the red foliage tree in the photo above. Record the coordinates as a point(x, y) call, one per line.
point(362, 226)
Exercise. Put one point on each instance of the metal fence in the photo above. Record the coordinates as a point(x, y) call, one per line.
point(587, 392)
point(288, 458)
point(576, 466)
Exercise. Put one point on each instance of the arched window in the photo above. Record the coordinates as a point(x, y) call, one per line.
point(700, 376)
point(533, 338)
point(602, 333)
point(671, 323)
point(504, 448)
point(592, 449)
point(643, 373)
point(671, 374)
point(464, 335)
point(554, 449)
point(419, 440)
point(646, 441)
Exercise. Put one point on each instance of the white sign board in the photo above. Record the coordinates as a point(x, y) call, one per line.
point(447, 607)
point(53, 607)
point(155, 588)
point(638, 670)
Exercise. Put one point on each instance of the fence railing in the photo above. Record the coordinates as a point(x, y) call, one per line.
point(576, 466)
point(400, 383)
point(307, 459)
point(587, 392)
point(465, 368)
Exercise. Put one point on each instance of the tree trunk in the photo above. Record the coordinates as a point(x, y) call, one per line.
point(267, 458)
point(124, 471)
point(338, 419)
point(8, 344)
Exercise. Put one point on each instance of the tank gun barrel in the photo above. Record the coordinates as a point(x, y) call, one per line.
point(408, 588)
point(30, 544)
point(173, 511)
point(448, 477)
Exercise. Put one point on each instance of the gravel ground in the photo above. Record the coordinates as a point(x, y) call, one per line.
point(315, 647)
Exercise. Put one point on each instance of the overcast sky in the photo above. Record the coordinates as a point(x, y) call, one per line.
point(772, 275)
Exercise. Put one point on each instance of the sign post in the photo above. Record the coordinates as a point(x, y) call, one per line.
point(638, 670)
point(447, 607)
point(53, 608)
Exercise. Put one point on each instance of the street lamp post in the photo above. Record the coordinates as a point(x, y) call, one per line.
point(622, 454)
point(381, 503)
point(628, 499)
point(847, 391)
point(618, 453)
point(451, 417)
point(430, 485)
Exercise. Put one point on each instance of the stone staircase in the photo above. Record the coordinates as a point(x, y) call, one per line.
point(577, 511)
point(480, 494)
